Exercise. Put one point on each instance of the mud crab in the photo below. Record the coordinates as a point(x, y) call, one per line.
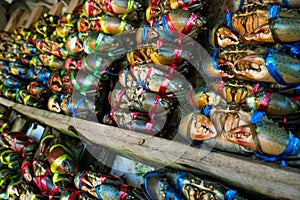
point(60, 157)
point(278, 27)
point(265, 137)
point(105, 186)
point(155, 78)
point(197, 127)
point(256, 64)
point(19, 142)
point(183, 185)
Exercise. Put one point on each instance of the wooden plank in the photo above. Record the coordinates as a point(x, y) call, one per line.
point(13, 20)
point(3, 20)
point(72, 5)
point(22, 18)
point(35, 15)
point(56, 9)
point(264, 178)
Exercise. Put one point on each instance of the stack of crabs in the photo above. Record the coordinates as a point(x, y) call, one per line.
point(53, 165)
point(136, 65)
point(254, 107)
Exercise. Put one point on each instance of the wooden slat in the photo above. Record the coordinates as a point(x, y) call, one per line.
point(35, 15)
point(56, 9)
point(72, 5)
point(264, 178)
point(3, 20)
point(13, 20)
point(22, 18)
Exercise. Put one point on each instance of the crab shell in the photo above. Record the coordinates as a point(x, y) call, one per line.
point(195, 186)
point(66, 166)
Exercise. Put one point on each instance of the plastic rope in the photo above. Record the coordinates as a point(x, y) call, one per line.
point(293, 143)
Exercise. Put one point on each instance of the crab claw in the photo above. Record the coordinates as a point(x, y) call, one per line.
point(196, 126)
point(53, 104)
point(210, 70)
point(259, 35)
point(266, 138)
point(242, 136)
point(222, 36)
point(252, 67)
point(279, 30)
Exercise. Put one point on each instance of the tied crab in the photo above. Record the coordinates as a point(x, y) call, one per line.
point(207, 129)
point(127, 10)
point(182, 185)
point(175, 24)
point(144, 101)
point(19, 142)
point(191, 186)
point(268, 141)
point(104, 24)
point(35, 172)
point(100, 43)
point(255, 63)
point(76, 105)
point(155, 78)
point(253, 24)
point(132, 120)
point(105, 186)
point(160, 56)
point(273, 103)
point(60, 157)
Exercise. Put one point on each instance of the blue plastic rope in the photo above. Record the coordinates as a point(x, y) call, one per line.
point(288, 151)
point(297, 89)
point(145, 33)
point(214, 59)
point(77, 104)
point(274, 11)
point(228, 20)
point(270, 64)
point(230, 194)
point(165, 25)
point(241, 4)
point(206, 110)
point(286, 4)
point(179, 182)
point(256, 116)
point(293, 49)
point(97, 192)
